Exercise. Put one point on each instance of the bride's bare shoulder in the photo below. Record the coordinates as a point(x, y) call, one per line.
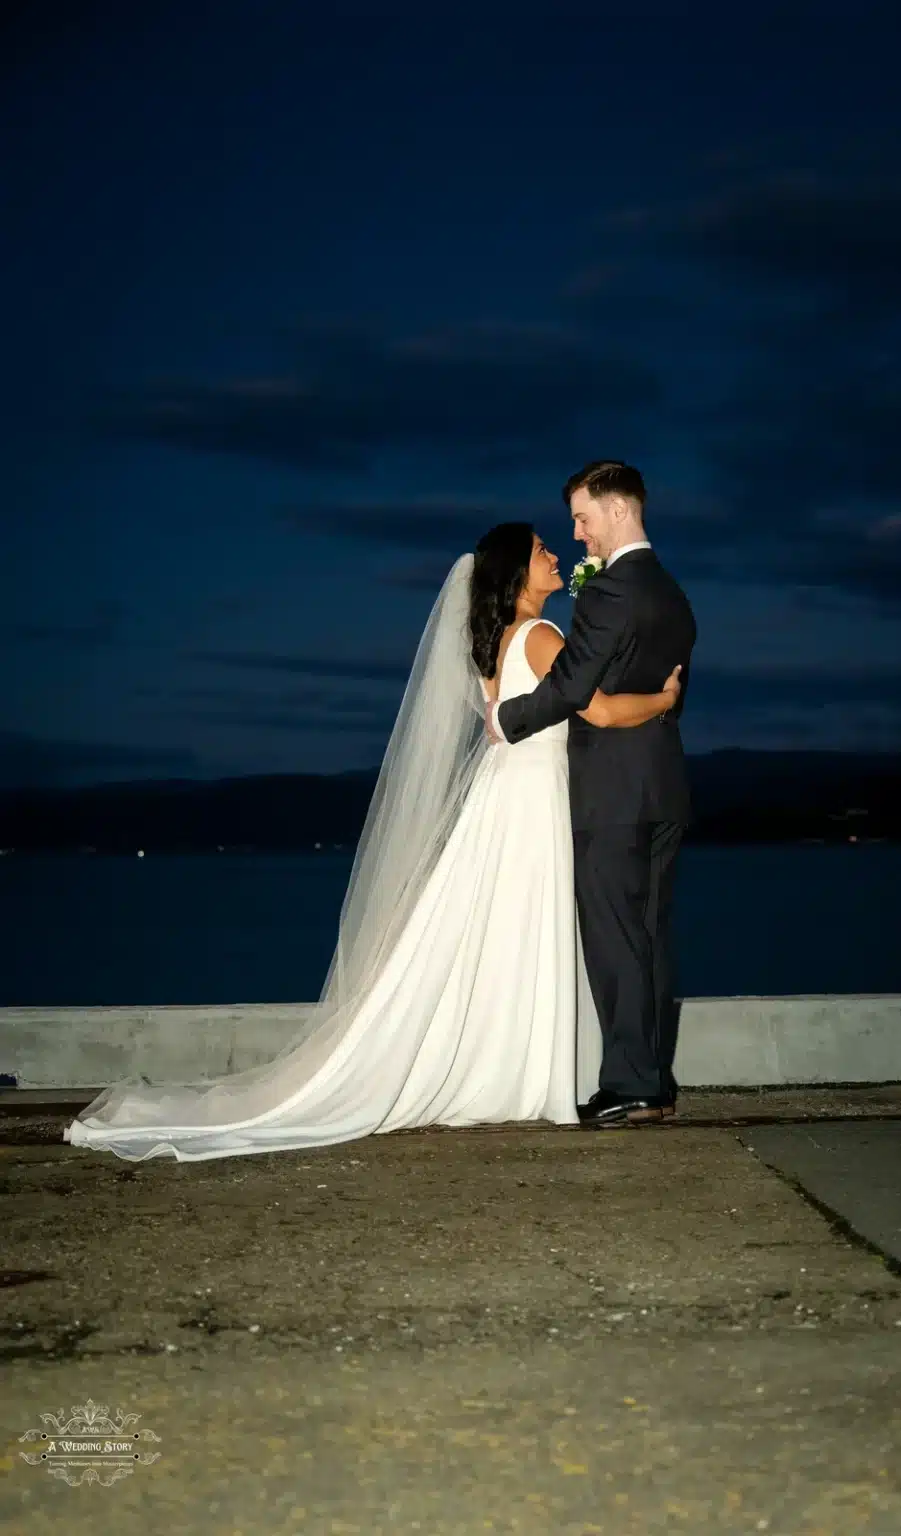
point(543, 642)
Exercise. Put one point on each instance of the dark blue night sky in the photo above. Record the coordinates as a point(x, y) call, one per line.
point(296, 307)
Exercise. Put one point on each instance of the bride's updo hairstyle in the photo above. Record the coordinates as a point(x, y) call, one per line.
point(500, 571)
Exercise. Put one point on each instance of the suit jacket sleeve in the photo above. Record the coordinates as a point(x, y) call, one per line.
point(599, 621)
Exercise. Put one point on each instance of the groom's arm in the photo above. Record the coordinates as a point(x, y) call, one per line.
point(599, 620)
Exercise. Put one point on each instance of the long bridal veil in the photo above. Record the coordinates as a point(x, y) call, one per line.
point(435, 748)
point(432, 757)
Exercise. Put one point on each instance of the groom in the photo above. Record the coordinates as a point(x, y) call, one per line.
point(628, 789)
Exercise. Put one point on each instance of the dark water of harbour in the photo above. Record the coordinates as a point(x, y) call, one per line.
point(81, 931)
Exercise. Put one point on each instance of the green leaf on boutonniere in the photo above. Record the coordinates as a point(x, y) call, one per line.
point(583, 572)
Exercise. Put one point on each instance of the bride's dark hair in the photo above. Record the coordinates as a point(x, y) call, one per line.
point(499, 573)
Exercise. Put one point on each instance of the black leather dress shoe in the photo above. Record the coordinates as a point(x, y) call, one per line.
point(611, 1111)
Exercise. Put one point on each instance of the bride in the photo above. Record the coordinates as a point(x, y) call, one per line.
point(457, 993)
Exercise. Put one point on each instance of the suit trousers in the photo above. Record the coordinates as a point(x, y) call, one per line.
point(624, 878)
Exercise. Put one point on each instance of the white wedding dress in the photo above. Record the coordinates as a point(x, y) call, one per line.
point(473, 1017)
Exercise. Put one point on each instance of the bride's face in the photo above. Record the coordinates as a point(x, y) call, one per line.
point(544, 575)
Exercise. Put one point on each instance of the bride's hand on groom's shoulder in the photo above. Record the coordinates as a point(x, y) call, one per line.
point(673, 686)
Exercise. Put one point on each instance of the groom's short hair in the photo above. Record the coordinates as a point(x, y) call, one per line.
point(607, 477)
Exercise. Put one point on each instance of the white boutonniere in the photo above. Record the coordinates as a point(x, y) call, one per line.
point(583, 572)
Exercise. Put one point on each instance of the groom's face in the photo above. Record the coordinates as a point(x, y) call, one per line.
point(592, 521)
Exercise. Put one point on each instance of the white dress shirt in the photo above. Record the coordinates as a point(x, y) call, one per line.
point(624, 549)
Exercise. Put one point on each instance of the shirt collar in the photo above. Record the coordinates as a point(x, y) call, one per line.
point(626, 549)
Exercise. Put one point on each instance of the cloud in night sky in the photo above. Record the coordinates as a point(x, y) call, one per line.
point(41, 763)
point(493, 388)
point(299, 721)
point(447, 524)
point(425, 575)
point(809, 230)
point(308, 666)
point(102, 628)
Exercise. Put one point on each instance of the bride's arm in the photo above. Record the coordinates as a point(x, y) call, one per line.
point(606, 709)
point(625, 709)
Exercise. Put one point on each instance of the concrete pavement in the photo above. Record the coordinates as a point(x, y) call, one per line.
point(520, 1330)
point(853, 1169)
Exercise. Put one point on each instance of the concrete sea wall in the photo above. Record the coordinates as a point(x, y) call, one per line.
point(723, 1041)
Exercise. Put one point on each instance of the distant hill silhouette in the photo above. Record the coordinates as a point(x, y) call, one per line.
point(739, 796)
